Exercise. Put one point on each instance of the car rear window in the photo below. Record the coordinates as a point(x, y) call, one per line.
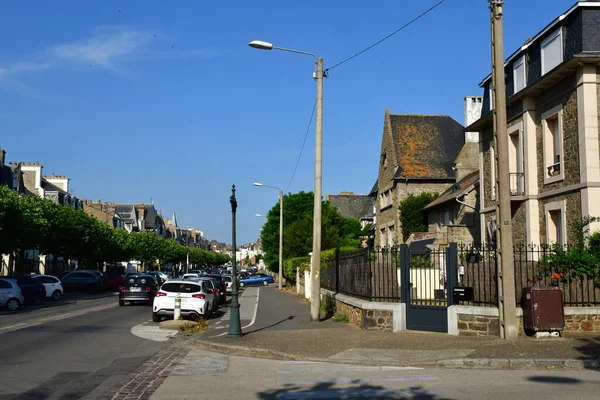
point(228, 279)
point(174, 287)
point(139, 280)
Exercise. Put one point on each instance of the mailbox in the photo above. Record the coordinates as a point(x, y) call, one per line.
point(542, 309)
point(462, 293)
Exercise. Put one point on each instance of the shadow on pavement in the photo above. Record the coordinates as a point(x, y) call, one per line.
point(326, 390)
point(68, 298)
point(589, 348)
point(554, 379)
point(291, 317)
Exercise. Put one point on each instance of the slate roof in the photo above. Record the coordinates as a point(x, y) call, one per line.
point(52, 188)
point(458, 189)
point(150, 214)
point(353, 205)
point(6, 175)
point(426, 145)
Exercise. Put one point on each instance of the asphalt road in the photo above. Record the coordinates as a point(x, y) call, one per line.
point(254, 378)
point(75, 351)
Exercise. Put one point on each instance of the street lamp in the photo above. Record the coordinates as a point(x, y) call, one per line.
point(260, 215)
point(315, 268)
point(280, 227)
point(235, 326)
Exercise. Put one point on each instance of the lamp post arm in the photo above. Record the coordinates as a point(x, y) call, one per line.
point(296, 51)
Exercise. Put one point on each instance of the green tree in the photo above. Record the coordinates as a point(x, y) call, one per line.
point(412, 216)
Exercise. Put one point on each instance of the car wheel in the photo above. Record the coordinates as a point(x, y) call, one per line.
point(265, 283)
point(37, 300)
point(13, 304)
point(155, 317)
point(121, 303)
point(242, 284)
point(56, 295)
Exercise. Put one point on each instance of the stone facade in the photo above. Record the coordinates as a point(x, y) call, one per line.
point(354, 314)
point(582, 323)
point(378, 320)
point(573, 212)
point(478, 325)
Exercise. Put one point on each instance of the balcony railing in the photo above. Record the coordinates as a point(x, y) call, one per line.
point(517, 184)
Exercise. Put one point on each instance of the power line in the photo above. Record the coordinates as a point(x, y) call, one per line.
point(387, 37)
point(303, 143)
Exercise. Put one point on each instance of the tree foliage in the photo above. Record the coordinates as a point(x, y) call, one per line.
point(412, 216)
point(30, 222)
point(336, 231)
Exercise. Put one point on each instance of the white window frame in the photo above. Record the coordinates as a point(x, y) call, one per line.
point(383, 237)
point(391, 232)
point(517, 64)
point(491, 95)
point(386, 199)
point(492, 171)
point(556, 206)
point(548, 145)
point(555, 35)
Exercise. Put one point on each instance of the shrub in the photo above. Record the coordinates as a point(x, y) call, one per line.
point(328, 305)
point(340, 318)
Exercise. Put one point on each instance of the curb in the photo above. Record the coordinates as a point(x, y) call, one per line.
point(467, 363)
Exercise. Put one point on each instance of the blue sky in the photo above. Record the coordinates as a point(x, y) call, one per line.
point(163, 100)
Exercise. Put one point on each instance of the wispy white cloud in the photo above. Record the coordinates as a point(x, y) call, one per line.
point(107, 48)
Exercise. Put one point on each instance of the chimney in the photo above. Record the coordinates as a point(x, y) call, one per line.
point(473, 107)
point(37, 169)
point(2, 156)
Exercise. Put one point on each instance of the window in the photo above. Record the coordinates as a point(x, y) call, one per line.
point(552, 51)
point(555, 223)
point(386, 198)
point(552, 137)
point(384, 159)
point(491, 95)
point(391, 237)
point(383, 239)
point(519, 77)
point(5, 285)
point(181, 287)
point(447, 218)
point(492, 171)
point(515, 160)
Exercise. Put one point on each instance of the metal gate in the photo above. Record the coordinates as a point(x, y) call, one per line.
point(428, 279)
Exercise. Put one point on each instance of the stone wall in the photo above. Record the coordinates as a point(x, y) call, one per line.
point(519, 223)
point(582, 323)
point(573, 214)
point(478, 325)
point(377, 320)
point(354, 314)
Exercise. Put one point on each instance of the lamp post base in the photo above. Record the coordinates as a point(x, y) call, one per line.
point(235, 328)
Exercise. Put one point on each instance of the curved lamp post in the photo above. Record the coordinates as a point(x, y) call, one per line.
point(280, 227)
point(315, 268)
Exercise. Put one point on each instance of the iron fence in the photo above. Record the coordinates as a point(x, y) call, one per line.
point(478, 269)
point(577, 292)
point(369, 273)
point(428, 277)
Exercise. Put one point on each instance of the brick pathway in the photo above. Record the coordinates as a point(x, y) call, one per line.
point(142, 382)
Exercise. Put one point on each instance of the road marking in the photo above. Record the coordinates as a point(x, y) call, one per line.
point(152, 332)
point(253, 316)
point(24, 325)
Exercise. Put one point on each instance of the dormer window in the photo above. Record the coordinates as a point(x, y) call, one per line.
point(384, 159)
point(519, 76)
point(552, 51)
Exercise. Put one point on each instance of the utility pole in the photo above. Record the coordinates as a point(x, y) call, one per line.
point(280, 237)
point(506, 272)
point(315, 268)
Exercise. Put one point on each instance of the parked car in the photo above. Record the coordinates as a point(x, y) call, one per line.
point(81, 281)
point(139, 288)
point(160, 277)
point(196, 299)
point(221, 287)
point(257, 279)
point(228, 283)
point(190, 275)
point(115, 281)
point(10, 294)
point(212, 286)
point(32, 290)
point(103, 277)
point(54, 289)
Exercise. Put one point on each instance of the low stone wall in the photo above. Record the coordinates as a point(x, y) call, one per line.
point(582, 323)
point(370, 315)
point(353, 313)
point(478, 325)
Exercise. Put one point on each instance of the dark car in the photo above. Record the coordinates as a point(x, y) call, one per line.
point(115, 281)
point(82, 281)
point(157, 276)
point(221, 287)
point(103, 277)
point(141, 287)
point(32, 289)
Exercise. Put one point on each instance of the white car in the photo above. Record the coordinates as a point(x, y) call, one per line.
point(54, 289)
point(190, 275)
point(10, 294)
point(228, 283)
point(196, 299)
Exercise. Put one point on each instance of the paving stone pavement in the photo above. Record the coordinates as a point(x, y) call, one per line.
point(142, 382)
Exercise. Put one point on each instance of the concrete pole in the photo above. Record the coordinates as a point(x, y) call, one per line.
point(280, 237)
point(506, 270)
point(315, 268)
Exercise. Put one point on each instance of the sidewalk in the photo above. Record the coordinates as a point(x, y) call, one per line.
point(296, 338)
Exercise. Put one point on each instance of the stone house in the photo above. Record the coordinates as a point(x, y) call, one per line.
point(357, 206)
point(552, 90)
point(141, 217)
point(10, 174)
point(104, 212)
point(53, 187)
point(417, 155)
